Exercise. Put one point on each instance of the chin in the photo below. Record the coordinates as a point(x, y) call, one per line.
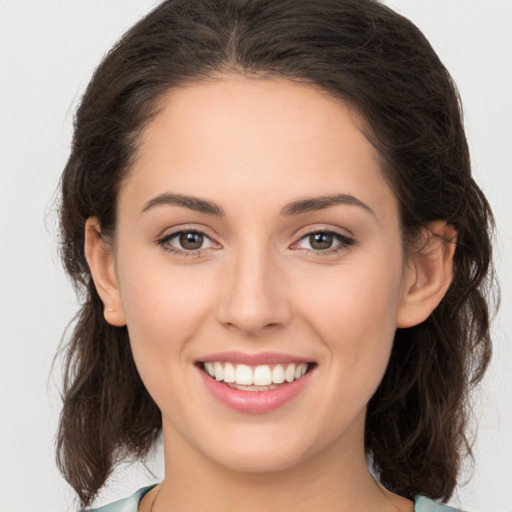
point(262, 450)
point(258, 461)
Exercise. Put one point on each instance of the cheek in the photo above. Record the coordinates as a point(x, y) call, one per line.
point(355, 319)
point(353, 300)
point(164, 307)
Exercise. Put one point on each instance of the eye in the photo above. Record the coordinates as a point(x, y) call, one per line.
point(186, 242)
point(324, 242)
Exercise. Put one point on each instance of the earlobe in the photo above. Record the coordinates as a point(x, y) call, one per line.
point(428, 274)
point(100, 259)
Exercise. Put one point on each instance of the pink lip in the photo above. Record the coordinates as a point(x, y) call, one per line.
point(253, 359)
point(254, 402)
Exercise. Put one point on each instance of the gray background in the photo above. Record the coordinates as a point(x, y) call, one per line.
point(48, 50)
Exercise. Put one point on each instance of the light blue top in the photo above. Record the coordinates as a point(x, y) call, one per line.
point(421, 504)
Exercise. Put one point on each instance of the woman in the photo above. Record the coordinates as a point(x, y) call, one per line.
point(269, 205)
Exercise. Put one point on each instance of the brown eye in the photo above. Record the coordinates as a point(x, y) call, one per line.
point(321, 241)
point(191, 240)
point(186, 242)
point(324, 242)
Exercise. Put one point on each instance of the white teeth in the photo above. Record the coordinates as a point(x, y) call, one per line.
point(278, 374)
point(259, 378)
point(243, 375)
point(289, 373)
point(229, 373)
point(209, 369)
point(262, 376)
point(219, 371)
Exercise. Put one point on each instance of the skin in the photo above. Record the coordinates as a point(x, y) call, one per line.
point(252, 146)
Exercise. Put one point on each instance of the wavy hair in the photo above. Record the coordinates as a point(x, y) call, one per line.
point(379, 63)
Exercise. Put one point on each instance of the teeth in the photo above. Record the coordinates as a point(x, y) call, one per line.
point(229, 373)
point(278, 374)
point(253, 388)
point(210, 369)
point(219, 371)
point(260, 378)
point(289, 373)
point(243, 375)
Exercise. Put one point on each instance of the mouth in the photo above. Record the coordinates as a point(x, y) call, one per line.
point(263, 377)
point(255, 383)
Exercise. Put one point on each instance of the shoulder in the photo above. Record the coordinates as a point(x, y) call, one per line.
point(130, 504)
point(422, 504)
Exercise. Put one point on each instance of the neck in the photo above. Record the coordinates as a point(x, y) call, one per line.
point(334, 479)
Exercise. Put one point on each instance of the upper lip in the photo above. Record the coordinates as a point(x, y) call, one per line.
point(235, 356)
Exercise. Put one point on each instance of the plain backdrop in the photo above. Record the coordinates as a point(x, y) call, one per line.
point(48, 50)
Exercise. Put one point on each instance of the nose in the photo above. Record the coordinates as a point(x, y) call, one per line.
point(253, 296)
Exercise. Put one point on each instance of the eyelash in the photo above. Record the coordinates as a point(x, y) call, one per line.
point(164, 243)
point(344, 243)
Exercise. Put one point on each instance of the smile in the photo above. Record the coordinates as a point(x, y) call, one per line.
point(255, 383)
point(259, 378)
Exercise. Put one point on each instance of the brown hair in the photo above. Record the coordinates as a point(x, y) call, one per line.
point(377, 61)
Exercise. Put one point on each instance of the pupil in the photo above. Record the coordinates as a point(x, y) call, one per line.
point(191, 241)
point(320, 241)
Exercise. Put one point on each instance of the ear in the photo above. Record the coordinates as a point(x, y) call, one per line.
point(100, 258)
point(428, 274)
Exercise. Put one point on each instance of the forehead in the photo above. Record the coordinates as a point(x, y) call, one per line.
point(240, 139)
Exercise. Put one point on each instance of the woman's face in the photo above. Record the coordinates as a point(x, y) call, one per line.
point(256, 232)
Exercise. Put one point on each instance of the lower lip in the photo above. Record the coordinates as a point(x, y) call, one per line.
point(255, 402)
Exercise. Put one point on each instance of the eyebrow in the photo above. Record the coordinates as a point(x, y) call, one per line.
point(294, 208)
point(193, 203)
point(321, 202)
